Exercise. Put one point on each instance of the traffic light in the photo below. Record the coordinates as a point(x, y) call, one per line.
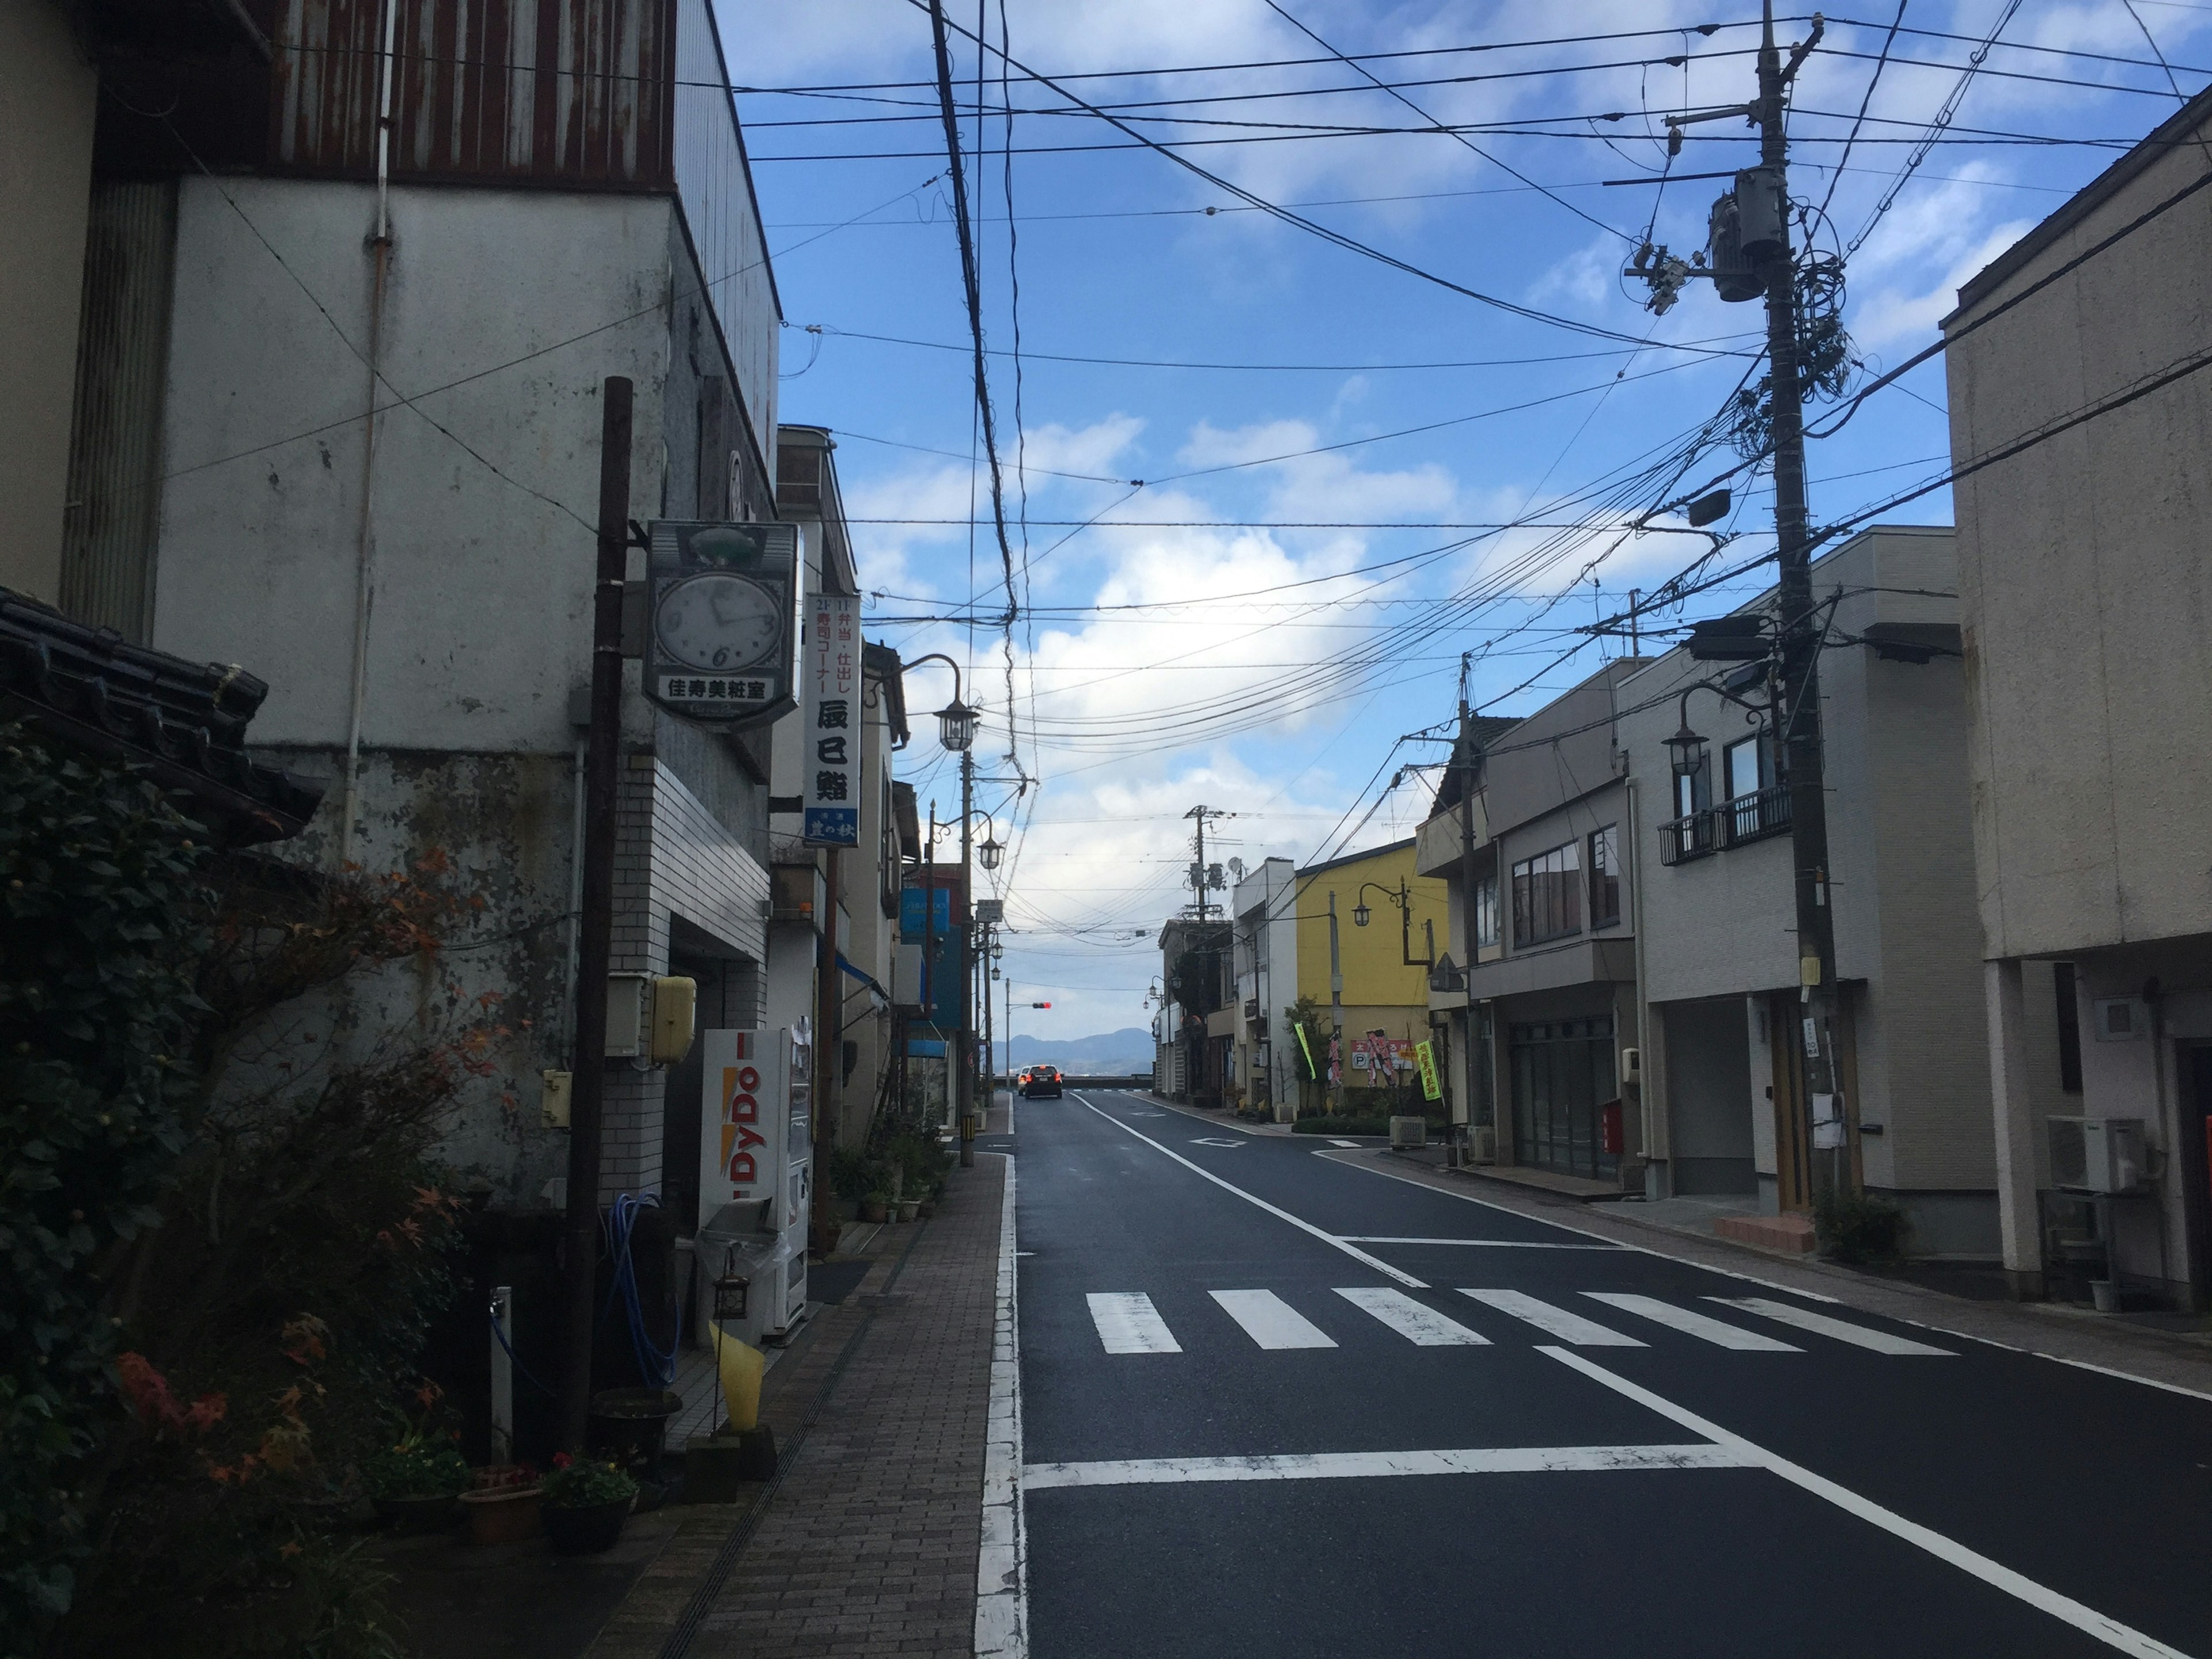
point(1040, 1004)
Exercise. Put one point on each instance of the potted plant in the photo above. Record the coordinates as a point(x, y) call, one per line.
point(503, 1503)
point(875, 1206)
point(908, 1208)
point(416, 1485)
point(585, 1504)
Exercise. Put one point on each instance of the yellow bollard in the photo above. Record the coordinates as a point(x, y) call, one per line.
point(741, 1365)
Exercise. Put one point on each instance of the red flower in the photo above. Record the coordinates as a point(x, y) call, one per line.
point(562, 1460)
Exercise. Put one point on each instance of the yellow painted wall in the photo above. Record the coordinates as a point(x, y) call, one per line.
point(1374, 973)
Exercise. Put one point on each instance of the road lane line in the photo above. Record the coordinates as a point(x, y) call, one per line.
point(1271, 1321)
point(1361, 1466)
point(2107, 1630)
point(1692, 1323)
point(1820, 1324)
point(1002, 1605)
point(1300, 1223)
point(1567, 1326)
point(1129, 1323)
point(1352, 1143)
point(1482, 1244)
point(1422, 1325)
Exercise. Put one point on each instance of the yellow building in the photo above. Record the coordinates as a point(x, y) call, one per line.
point(1385, 963)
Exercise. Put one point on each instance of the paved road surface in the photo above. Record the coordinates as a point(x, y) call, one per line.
point(1302, 1407)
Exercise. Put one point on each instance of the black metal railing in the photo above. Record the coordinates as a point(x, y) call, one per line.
point(1748, 817)
point(1686, 838)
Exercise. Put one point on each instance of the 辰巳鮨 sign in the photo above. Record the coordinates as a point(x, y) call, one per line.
point(831, 720)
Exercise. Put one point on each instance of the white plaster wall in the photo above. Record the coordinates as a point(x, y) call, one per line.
point(481, 578)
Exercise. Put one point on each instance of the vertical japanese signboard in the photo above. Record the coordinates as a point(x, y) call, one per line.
point(831, 712)
point(1424, 1056)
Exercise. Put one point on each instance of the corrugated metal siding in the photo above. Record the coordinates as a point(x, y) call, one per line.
point(572, 92)
point(113, 517)
point(716, 191)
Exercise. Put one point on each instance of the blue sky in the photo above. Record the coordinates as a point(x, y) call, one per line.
point(1175, 653)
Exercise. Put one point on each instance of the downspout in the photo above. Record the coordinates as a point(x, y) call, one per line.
point(380, 246)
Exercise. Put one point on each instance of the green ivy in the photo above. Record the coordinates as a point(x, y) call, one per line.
point(106, 922)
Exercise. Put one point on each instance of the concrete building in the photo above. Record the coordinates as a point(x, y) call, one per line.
point(1387, 915)
point(347, 426)
point(1264, 950)
point(1722, 1104)
point(2084, 596)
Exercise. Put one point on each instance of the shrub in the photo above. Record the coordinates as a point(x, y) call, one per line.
point(417, 1466)
point(851, 1173)
point(1859, 1227)
point(583, 1486)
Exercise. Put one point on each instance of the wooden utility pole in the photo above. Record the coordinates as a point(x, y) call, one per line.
point(580, 1241)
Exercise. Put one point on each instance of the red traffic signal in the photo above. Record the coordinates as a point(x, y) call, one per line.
point(1040, 1004)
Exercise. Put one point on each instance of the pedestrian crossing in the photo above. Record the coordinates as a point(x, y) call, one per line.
point(1128, 1323)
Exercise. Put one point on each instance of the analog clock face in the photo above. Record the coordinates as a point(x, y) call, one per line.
point(723, 624)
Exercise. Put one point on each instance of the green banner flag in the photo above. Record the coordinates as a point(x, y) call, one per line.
point(1425, 1055)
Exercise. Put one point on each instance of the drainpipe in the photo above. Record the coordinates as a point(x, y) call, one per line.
point(379, 246)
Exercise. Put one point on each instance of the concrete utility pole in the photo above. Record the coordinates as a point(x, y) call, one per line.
point(1800, 629)
point(1468, 762)
point(595, 926)
point(963, 1069)
point(1336, 1006)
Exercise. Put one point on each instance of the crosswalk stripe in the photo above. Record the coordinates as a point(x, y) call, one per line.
point(1692, 1323)
point(1271, 1321)
point(1569, 1327)
point(1129, 1323)
point(1424, 1327)
point(1822, 1325)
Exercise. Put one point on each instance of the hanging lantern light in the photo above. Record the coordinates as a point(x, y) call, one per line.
point(1361, 916)
point(956, 726)
point(1687, 750)
point(991, 852)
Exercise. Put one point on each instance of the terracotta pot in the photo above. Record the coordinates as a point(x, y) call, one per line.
point(872, 1210)
point(503, 1515)
point(585, 1531)
point(908, 1208)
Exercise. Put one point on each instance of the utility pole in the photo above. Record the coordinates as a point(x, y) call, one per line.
point(580, 1241)
point(1468, 761)
point(1800, 633)
point(1335, 1007)
point(963, 1069)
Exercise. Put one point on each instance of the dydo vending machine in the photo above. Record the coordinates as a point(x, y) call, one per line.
point(755, 1183)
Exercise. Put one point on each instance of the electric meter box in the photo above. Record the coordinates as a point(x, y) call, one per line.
point(755, 1178)
point(2098, 1154)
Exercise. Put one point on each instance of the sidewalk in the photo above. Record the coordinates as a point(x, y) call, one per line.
point(867, 1541)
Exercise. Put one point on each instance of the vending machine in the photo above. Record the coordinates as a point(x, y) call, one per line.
point(755, 1183)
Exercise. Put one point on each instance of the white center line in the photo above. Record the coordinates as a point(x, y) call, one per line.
point(1691, 1323)
point(1356, 1466)
point(1129, 1323)
point(1271, 1321)
point(1554, 1322)
point(1805, 1320)
point(1300, 1223)
point(2109, 1631)
point(1482, 1244)
point(1422, 1325)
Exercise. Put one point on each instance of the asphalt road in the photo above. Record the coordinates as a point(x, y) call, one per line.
point(1609, 1452)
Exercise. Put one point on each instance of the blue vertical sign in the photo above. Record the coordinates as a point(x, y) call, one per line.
point(831, 720)
point(941, 992)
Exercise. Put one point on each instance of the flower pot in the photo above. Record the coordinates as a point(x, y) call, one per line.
point(928, 1209)
point(909, 1208)
point(2105, 1295)
point(502, 1514)
point(585, 1531)
point(630, 1425)
point(411, 1517)
point(872, 1209)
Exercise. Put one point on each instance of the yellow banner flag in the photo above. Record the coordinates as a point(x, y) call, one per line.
point(1425, 1055)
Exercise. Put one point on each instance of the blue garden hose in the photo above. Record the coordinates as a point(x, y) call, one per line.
point(657, 1368)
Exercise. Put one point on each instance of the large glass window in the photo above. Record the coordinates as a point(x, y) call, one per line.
point(1548, 898)
point(1562, 1072)
point(1486, 911)
point(1750, 766)
point(1605, 876)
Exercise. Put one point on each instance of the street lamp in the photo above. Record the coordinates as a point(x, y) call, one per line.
point(1361, 916)
point(1687, 748)
point(991, 852)
point(956, 725)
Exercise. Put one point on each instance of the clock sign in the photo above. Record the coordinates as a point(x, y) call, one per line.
point(721, 639)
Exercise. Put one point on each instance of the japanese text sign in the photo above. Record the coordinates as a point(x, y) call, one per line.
point(831, 720)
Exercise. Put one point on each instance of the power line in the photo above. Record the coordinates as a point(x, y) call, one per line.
point(1873, 80)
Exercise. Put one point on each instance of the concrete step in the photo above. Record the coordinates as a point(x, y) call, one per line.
point(1792, 1234)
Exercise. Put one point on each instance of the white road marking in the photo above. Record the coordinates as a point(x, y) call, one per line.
point(1271, 1321)
point(1484, 1244)
point(1002, 1603)
point(1424, 1327)
point(1554, 1322)
point(1692, 1323)
point(1129, 1323)
point(1299, 1222)
point(2107, 1630)
point(1353, 1144)
point(1361, 1466)
point(1209, 1141)
point(1822, 1325)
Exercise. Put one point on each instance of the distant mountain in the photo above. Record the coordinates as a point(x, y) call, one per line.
point(1124, 1051)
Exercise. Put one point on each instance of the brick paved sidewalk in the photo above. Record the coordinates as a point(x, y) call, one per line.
point(869, 1544)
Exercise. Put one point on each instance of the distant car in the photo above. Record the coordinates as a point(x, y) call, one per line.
point(1041, 1080)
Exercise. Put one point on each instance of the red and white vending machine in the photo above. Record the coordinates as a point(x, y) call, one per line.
point(755, 1182)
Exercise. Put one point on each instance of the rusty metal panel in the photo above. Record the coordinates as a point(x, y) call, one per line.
point(554, 92)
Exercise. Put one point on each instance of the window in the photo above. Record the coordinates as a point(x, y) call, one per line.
point(1605, 876)
point(1547, 899)
point(1486, 911)
point(1749, 766)
point(2069, 1027)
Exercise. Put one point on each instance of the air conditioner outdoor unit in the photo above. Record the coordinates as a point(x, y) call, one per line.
point(1408, 1132)
point(2098, 1154)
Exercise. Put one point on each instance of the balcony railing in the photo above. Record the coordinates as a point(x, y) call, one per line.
point(1750, 817)
point(1732, 823)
